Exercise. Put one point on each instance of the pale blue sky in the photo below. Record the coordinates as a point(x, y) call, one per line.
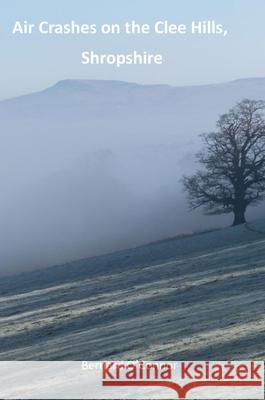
point(30, 63)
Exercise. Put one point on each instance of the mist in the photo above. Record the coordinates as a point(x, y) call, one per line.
point(91, 167)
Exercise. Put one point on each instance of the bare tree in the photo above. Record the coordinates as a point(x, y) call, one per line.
point(233, 163)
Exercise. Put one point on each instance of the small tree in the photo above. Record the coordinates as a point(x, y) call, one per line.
point(233, 163)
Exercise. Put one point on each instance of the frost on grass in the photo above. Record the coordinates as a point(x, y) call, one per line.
point(199, 297)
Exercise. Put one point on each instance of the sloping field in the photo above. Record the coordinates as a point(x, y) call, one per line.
point(199, 297)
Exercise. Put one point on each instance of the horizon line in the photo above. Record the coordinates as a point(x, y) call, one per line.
point(60, 81)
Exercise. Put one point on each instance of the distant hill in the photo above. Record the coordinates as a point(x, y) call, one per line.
point(88, 167)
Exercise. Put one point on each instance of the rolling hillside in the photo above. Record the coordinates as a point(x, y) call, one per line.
point(198, 297)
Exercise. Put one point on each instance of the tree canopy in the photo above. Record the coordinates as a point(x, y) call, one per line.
point(232, 173)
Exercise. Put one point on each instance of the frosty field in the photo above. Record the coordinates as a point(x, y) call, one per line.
point(197, 297)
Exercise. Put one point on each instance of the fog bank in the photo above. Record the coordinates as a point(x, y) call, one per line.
point(89, 167)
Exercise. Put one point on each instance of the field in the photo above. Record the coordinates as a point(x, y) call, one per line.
point(196, 297)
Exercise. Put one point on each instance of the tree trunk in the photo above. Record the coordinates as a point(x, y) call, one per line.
point(239, 215)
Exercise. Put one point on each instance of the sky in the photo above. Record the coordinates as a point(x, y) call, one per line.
point(31, 63)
